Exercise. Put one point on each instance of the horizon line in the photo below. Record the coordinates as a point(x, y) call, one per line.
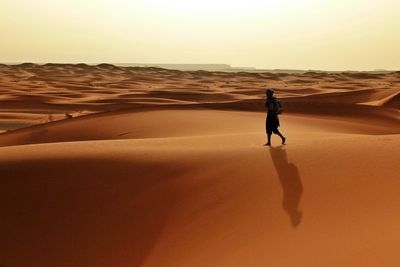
point(229, 66)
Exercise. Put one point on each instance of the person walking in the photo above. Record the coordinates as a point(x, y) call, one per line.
point(273, 106)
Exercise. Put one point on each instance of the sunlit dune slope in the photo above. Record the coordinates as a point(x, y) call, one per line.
point(56, 91)
point(219, 200)
point(188, 122)
point(171, 169)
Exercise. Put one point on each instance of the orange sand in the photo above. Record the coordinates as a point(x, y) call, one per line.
point(183, 179)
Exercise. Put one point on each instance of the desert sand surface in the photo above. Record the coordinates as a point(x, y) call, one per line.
point(34, 94)
point(125, 166)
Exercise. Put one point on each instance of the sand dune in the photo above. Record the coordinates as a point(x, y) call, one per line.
point(152, 170)
point(391, 101)
point(81, 88)
point(187, 122)
point(193, 200)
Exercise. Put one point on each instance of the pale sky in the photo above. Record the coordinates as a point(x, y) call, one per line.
point(290, 34)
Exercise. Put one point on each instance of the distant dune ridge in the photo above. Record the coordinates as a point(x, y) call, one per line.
point(128, 166)
point(51, 91)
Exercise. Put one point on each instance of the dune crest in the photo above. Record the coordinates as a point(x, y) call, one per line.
point(125, 166)
point(56, 89)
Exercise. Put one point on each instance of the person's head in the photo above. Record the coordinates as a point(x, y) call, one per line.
point(269, 92)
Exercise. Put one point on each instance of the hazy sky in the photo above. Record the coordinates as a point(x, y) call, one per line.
point(297, 34)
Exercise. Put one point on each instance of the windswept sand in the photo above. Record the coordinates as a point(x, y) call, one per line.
point(34, 94)
point(168, 168)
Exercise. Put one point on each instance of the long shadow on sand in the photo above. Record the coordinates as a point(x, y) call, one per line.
point(291, 184)
point(82, 211)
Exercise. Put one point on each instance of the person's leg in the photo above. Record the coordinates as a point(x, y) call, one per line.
point(269, 139)
point(277, 132)
point(268, 131)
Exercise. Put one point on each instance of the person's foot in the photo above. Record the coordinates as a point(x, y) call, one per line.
point(267, 144)
point(283, 140)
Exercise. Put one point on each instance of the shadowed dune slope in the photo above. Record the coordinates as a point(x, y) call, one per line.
point(172, 171)
point(222, 200)
point(52, 91)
